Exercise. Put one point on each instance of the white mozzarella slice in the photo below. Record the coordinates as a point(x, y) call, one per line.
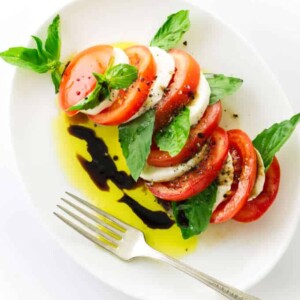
point(198, 105)
point(260, 177)
point(225, 179)
point(96, 110)
point(165, 68)
point(159, 174)
point(119, 57)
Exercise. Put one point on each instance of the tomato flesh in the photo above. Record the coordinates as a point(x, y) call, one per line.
point(182, 88)
point(129, 101)
point(199, 178)
point(257, 207)
point(197, 137)
point(245, 169)
point(78, 80)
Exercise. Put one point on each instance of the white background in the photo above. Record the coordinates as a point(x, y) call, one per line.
point(32, 266)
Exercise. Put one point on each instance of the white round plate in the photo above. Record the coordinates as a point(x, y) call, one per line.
point(239, 254)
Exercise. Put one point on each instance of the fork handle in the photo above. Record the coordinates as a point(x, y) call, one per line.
point(225, 289)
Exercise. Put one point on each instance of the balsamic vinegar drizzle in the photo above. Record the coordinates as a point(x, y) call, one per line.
point(102, 167)
point(153, 219)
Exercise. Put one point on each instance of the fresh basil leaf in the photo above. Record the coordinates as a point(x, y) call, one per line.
point(53, 41)
point(121, 76)
point(56, 78)
point(40, 60)
point(171, 32)
point(173, 137)
point(89, 102)
point(135, 138)
point(193, 215)
point(39, 46)
point(26, 58)
point(222, 86)
point(100, 78)
point(270, 140)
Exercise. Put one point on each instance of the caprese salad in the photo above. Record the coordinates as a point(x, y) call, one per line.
point(168, 111)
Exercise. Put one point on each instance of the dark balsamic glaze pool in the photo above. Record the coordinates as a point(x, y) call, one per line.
point(102, 167)
point(153, 219)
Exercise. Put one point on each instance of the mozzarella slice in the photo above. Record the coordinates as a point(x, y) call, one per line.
point(260, 177)
point(199, 104)
point(119, 57)
point(225, 179)
point(165, 68)
point(158, 174)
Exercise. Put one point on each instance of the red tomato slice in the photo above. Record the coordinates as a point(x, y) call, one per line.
point(78, 81)
point(255, 208)
point(131, 100)
point(198, 135)
point(245, 168)
point(179, 92)
point(198, 179)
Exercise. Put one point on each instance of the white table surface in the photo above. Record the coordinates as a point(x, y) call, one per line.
point(32, 265)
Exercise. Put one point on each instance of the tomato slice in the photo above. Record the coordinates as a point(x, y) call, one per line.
point(257, 207)
point(78, 81)
point(245, 168)
point(198, 179)
point(184, 84)
point(197, 137)
point(130, 101)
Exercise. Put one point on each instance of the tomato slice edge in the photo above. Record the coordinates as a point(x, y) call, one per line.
point(198, 179)
point(184, 84)
point(197, 137)
point(257, 207)
point(77, 80)
point(226, 210)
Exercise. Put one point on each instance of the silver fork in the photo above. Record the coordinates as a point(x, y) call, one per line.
point(127, 242)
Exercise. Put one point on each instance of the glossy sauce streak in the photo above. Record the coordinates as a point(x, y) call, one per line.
point(153, 219)
point(102, 167)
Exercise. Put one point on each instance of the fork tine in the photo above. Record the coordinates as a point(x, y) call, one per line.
point(116, 232)
point(109, 238)
point(86, 234)
point(101, 212)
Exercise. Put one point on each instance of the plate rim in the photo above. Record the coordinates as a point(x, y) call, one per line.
point(258, 56)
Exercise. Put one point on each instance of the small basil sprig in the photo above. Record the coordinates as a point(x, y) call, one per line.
point(192, 216)
point(99, 93)
point(173, 137)
point(117, 77)
point(121, 76)
point(222, 86)
point(44, 58)
point(135, 138)
point(270, 140)
point(171, 32)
